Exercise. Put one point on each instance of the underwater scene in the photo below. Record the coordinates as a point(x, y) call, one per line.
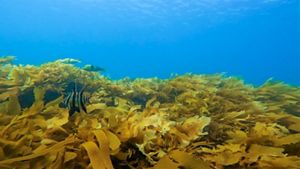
point(141, 84)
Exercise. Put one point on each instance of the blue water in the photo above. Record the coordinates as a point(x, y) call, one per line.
point(251, 39)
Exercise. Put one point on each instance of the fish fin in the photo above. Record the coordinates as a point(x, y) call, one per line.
point(77, 109)
point(71, 112)
point(84, 109)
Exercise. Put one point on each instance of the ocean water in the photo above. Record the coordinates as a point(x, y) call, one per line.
point(251, 39)
point(57, 112)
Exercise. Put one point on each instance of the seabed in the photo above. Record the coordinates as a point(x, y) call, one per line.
point(185, 122)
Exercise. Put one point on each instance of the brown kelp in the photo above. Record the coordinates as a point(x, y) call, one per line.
point(7, 59)
point(189, 121)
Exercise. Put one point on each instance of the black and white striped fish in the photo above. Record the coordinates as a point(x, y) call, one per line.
point(76, 101)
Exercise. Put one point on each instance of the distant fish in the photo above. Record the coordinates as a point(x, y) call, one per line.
point(76, 101)
point(92, 68)
point(68, 61)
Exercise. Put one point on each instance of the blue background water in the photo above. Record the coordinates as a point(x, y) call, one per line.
point(253, 39)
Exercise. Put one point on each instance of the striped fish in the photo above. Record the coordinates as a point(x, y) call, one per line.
point(76, 101)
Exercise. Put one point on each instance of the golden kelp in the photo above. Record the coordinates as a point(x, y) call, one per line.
point(6, 59)
point(189, 121)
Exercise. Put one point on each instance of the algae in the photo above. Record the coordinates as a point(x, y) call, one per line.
point(7, 59)
point(189, 121)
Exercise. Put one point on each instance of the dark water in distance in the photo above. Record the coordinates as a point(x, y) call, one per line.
point(252, 39)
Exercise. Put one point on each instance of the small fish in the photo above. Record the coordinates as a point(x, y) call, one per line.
point(92, 68)
point(76, 101)
point(68, 61)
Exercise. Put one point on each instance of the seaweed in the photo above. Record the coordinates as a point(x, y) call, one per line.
point(7, 59)
point(189, 121)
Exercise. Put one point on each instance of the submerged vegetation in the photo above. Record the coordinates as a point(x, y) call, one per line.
point(189, 121)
